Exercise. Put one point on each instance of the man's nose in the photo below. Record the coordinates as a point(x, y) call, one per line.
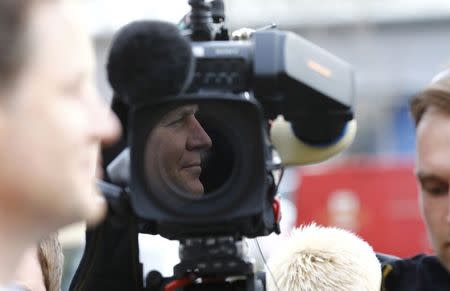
point(198, 139)
point(106, 126)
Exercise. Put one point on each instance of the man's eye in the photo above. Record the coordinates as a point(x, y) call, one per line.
point(177, 121)
point(435, 189)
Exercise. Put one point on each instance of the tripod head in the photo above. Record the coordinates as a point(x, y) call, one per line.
point(211, 263)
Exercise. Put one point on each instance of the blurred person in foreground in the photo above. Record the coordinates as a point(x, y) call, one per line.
point(51, 124)
point(323, 258)
point(431, 112)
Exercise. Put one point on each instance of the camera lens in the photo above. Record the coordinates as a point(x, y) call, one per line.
point(198, 161)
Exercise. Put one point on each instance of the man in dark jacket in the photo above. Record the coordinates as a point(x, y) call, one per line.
point(431, 112)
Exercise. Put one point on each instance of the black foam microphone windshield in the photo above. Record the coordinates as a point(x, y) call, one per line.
point(148, 60)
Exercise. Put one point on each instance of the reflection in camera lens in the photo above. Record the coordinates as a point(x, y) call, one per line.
point(217, 164)
point(180, 156)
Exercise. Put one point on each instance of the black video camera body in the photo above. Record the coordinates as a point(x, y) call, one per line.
point(199, 113)
point(240, 86)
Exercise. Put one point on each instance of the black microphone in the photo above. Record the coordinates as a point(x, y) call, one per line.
point(149, 60)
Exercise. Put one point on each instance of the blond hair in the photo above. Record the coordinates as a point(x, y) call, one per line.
point(323, 258)
point(51, 259)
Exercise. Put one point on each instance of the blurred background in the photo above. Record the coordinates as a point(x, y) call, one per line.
point(395, 46)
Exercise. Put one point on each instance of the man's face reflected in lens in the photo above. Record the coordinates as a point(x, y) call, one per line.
point(174, 151)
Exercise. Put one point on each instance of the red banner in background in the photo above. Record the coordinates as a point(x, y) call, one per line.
point(376, 199)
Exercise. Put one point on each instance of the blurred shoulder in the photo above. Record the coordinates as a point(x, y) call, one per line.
point(421, 272)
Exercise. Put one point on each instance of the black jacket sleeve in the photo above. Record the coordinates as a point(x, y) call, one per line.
point(110, 260)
